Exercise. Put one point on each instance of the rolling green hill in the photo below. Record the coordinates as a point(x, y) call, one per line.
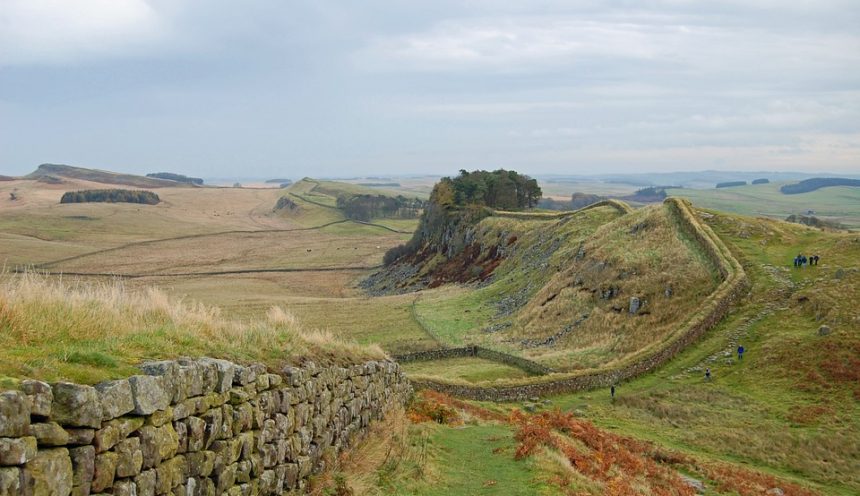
point(99, 176)
point(839, 204)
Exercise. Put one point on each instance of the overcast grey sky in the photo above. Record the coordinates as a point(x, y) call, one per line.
point(292, 87)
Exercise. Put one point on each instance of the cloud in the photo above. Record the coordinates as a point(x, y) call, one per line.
point(38, 32)
point(631, 44)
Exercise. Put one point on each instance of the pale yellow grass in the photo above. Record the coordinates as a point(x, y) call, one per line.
point(385, 457)
point(54, 329)
point(639, 255)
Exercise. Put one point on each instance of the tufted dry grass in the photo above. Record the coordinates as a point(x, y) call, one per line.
point(57, 329)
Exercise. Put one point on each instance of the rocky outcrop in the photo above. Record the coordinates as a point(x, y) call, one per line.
point(189, 427)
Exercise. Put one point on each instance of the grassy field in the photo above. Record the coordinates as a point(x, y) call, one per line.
point(53, 330)
point(839, 204)
point(470, 369)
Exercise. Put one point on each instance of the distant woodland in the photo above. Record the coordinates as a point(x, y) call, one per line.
point(815, 183)
point(367, 207)
point(176, 177)
point(110, 196)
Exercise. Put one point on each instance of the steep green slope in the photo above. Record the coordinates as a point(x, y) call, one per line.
point(791, 406)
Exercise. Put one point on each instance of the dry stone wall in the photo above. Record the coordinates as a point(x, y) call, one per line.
point(521, 363)
point(733, 287)
point(189, 428)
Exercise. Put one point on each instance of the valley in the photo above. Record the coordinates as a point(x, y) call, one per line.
point(587, 295)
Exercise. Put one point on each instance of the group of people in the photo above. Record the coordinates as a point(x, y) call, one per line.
point(801, 260)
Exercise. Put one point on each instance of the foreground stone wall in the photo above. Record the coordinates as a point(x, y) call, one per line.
point(189, 428)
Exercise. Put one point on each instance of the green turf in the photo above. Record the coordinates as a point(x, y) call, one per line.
point(762, 411)
point(469, 369)
point(476, 460)
point(839, 203)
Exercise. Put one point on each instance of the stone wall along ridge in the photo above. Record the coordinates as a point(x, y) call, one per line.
point(618, 205)
point(187, 427)
point(734, 285)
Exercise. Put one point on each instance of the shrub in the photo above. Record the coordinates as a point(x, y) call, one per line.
point(367, 207)
point(110, 196)
point(731, 184)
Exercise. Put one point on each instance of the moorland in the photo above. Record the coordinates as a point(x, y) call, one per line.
point(90, 289)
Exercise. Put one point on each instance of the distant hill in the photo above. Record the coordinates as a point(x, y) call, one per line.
point(282, 182)
point(180, 178)
point(99, 176)
point(6, 178)
point(815, 183)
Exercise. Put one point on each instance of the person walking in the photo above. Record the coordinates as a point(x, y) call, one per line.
point(708, 374)
point(612, 392)
point(741, 352)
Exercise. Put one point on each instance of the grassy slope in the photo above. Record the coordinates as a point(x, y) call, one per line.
point(100, 176)
point(51, 330)
point(840, 204)
point(640, 254)
point(455, 448)
point(791, 407)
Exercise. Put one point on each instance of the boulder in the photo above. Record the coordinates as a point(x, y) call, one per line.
point(14, 414)
point(83, 465)
point(130, 459)
point(157, 444)
point(51, 472)
point(635, 305)
point(824, 330)
point(148, 394)
point(104, 471)
point(40, 395)
point(694, 484)
point(49, 434)
point(11, 481)
point(76, 405)
point(125, 488)
point(226, 372)
point(116, 397)
point(17, 450)
point(145, 482)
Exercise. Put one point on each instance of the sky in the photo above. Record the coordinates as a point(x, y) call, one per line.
point(292, 88)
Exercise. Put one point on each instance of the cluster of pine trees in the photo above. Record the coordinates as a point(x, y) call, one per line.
point(458, 203)
point(500, 189)
point(111, 196)
point(367, 207)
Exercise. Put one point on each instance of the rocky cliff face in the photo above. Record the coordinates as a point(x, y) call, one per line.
point(188, 427)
